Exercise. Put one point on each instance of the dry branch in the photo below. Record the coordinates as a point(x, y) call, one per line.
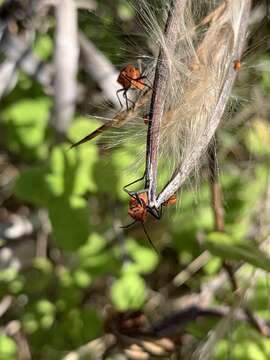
point(19, 55)
point(66, 64)
point(100, 69)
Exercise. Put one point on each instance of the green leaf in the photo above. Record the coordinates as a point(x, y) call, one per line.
point(16, 286)
point(82, 278)
point(69, 174)
point(212, 266)
point(30, 323)
point(95, 243)
point(80, 127)
point(243, 343)
point(121, 161)
point(125, 11)
point(44, 265)
point(106, 177)
point(44, 307)
point(8, 348)
point(25, 124)
point(144, 258)
point(95, 258)
point(77, 327)
point(227, 248)
point(46, 321)
point(258, 137)
point(221, 238)
point(258, 300)
point(70, 222)
point(31, 186)
point(71, 170)
point(37, 280)
point(43, 47)
point(8, 275)
point(86, 159)
point(92, 324)
point(128, 292)
point(65, 277)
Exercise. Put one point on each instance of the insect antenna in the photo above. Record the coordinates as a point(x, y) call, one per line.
point(149, 239)
point(128, 225)
point(145, 232)
point(130, 193)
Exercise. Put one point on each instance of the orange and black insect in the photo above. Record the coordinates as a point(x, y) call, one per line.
point(130, 77)
point(138, 206)
point(138, 210)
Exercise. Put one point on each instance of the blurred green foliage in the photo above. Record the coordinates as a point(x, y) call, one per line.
point(7, 348)
point(82, 190)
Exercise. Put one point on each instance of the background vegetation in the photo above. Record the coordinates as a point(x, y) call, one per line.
point(73, 283)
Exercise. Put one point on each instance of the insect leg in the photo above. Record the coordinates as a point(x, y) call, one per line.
point(129, 225)
point(145, 232)
point(149, 239)
point(117, 94)
point(130, 193)
point(144, 77)
point(125, 97)
point(132, 102)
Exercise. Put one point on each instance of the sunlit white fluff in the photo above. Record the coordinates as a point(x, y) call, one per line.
point(209, 40)
point(202, 95)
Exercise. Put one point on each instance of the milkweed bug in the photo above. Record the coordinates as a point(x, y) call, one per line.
point(138, 210)
point(130, 77)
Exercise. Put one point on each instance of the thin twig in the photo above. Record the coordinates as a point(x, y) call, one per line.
point(14, 329)
point(191, 268)
point(8, 77)
point(5, 304)
point(218, 210)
